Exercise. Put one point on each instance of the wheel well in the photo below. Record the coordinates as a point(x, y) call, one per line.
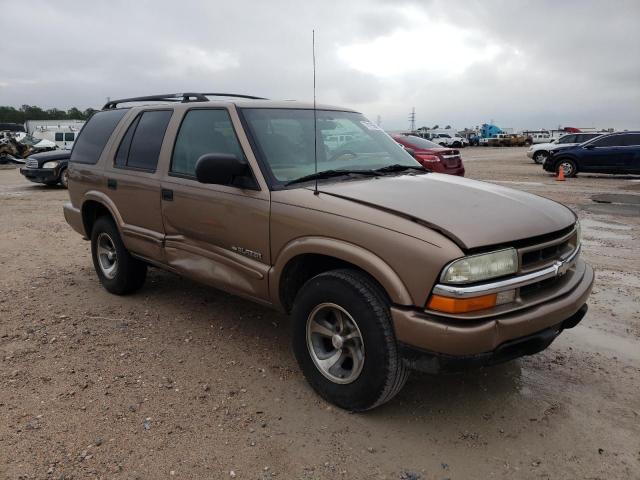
point(91, 211)
point(304, 267)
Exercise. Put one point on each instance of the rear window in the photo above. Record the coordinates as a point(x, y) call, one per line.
point(94, 136)
point(141, 145)
point(417, 142)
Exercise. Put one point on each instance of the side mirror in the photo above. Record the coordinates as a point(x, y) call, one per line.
point(220, 168)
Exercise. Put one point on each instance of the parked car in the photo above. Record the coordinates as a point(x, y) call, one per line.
point(383, 265)
point(610, 153)
point(431, 155)
point(447, 140)
point(539, 152)
point(49, 168)
point(536, 138)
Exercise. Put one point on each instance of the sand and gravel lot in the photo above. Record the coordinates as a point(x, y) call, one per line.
point(182, 381)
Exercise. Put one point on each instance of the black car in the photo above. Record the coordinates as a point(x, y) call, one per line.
point(610, 153)
point(49, 168)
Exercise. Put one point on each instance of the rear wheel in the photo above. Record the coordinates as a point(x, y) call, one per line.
point(344, 342)
point(118, 271)
point(540, 156)
point(64, 178)
point(569, 167)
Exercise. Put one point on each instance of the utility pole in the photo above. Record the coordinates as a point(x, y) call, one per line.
point(412, 119)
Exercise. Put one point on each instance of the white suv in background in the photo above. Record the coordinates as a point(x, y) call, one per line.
point(446, 140)
point(539, 152)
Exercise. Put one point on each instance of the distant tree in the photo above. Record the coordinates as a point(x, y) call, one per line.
point(448, 127)
point(435, 127)
point(31, 112)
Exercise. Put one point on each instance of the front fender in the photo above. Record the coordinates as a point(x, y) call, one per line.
point(348, 252)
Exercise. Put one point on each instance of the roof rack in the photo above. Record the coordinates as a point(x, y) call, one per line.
point(176, 97)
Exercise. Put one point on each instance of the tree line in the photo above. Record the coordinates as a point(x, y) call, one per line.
point(31, 112)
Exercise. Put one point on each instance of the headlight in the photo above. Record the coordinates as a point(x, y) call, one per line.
point(477, 268)
point(50, 165)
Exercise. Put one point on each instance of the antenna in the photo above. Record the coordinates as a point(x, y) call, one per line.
point(315, 116)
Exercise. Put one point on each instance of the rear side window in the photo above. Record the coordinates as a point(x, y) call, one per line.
point(59, 137)
point(141, 145)
point(610, 141)
point(68, 137)
point(201, 132)
point(94, 136)
point(631, 140)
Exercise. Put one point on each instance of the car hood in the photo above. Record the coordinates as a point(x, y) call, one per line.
point(473, 214)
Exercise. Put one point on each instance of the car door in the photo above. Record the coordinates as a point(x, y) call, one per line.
point(133, 183)
point(605, 154)
point(216, 234)
point(632, 152)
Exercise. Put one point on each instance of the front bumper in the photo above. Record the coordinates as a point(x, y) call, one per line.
point(549, 164)
point(473, 336)
point(41, 175)
point(432, 362)
point(530, 154)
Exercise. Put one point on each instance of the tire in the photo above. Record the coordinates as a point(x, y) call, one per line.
point(368, 370)
point(456, 145)
point(117, 270)
point(64, 178)
point(540, 156)
point(570, 167)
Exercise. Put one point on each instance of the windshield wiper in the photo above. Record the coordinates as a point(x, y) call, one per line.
point(333, 173)
point(396, 167)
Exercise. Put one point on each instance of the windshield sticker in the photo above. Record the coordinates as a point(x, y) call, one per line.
point(370, 125)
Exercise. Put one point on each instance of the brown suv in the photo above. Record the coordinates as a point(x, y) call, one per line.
point(383, 265)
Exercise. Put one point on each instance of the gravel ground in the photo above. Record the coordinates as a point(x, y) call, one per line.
point(182, 381)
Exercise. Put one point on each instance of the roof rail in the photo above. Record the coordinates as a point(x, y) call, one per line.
point(176, 97)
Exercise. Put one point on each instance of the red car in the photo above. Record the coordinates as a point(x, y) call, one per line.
point(431, 155)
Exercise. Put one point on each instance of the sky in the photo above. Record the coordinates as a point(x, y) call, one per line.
point(518, 64)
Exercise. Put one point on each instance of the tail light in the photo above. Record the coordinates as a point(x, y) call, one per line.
point(424, 157)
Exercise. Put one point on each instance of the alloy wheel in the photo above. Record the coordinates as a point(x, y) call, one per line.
point(335, 343)
point(107, 256)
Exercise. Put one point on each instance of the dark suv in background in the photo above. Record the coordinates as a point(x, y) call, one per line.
point(612, 153)
point(49, 168)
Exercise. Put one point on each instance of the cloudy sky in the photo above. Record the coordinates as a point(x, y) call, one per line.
point(520, 64)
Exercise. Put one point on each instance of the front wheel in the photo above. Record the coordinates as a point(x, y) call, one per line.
point(540, 157)
point(344, 341)
point(118, 271)
point(569, 167)
point(64, 178)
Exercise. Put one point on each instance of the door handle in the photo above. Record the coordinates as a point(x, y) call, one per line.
point(167, 195)
point(112, 184)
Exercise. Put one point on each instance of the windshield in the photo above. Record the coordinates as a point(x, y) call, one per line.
point(345, 141)
point(417, 142)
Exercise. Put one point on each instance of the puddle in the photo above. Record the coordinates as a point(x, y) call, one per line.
point(619, 278)
point(598, 230)
point(588, 224)
point(539, 184)
point(623, 198)
point(616, 209)
point(602, 342)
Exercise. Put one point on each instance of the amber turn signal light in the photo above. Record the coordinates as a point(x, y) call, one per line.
point(461, 305)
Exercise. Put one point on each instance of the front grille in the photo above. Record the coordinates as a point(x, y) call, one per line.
point(542, 255)
point(31, 163)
